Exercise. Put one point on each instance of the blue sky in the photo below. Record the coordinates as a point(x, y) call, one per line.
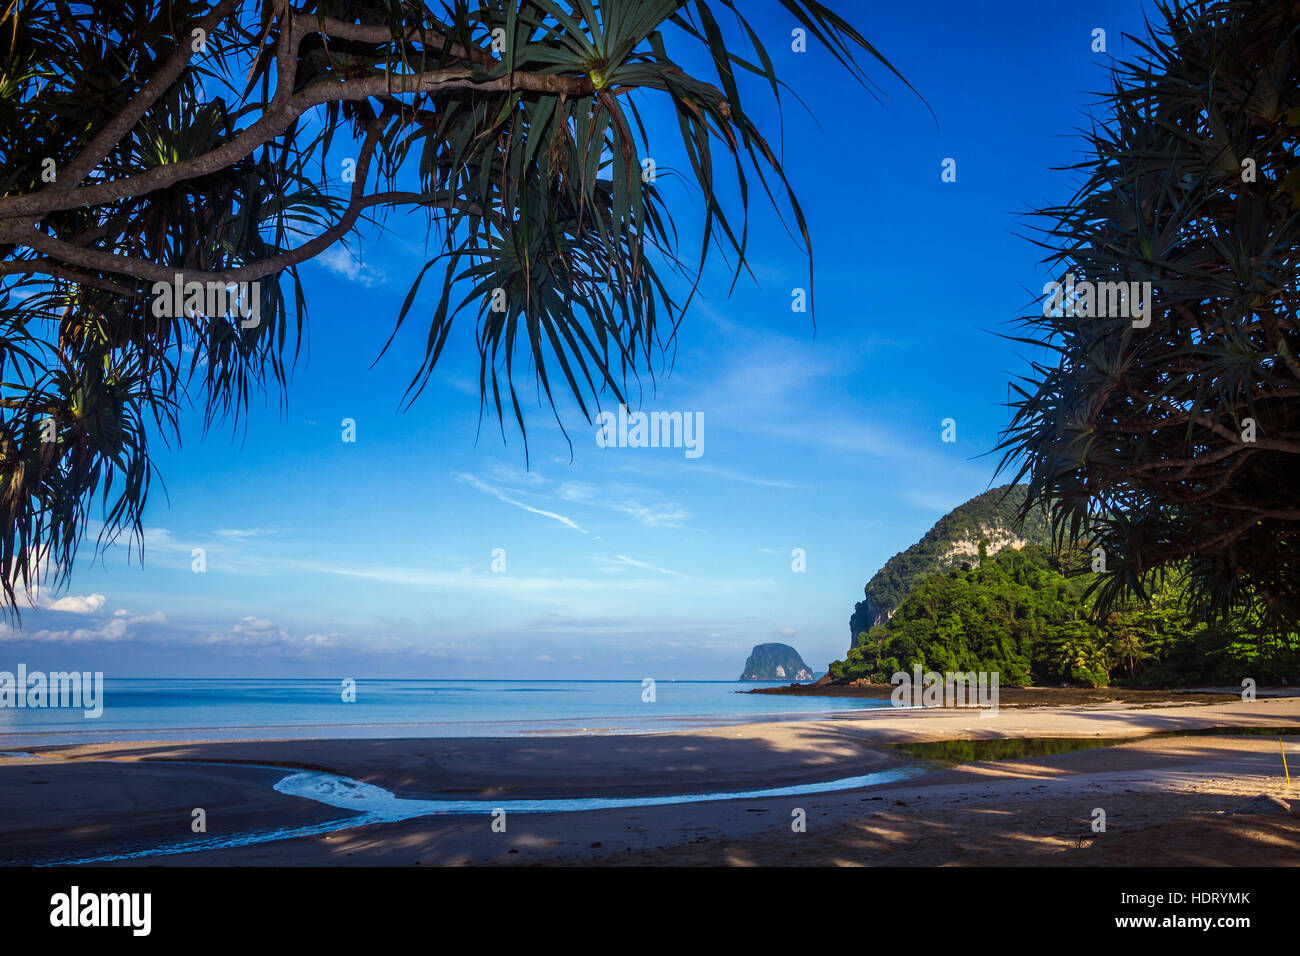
point(374, 558)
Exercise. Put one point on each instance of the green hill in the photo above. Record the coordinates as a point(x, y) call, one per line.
point(1024, 614)
point(953, 542)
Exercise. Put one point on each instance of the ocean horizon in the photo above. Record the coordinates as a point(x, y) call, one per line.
point(137, 709)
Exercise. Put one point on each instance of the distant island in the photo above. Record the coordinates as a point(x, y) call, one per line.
point(775, 662)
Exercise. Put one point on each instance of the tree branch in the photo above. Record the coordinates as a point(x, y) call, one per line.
point(123, 122)
point(283, 109)
point(382, 34)
point(99, 260)
point(59, 271)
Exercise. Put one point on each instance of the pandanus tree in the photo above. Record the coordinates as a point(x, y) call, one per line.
point(1170, 439)
point(146, 144)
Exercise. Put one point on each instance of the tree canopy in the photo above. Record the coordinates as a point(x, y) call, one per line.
point(151, 144)
point(1171, 440)
point(1026, 615)
point(994, 513)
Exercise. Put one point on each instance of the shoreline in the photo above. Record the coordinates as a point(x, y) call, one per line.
point(623, 725)
point(111, 794)
point(1040, 696)
point(1010, 698)
point(531, 728)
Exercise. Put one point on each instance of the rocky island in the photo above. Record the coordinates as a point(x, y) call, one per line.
point(775, 662)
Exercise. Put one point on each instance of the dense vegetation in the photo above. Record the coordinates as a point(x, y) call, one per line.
point(1025, 615)
point(1172, 440)
point(992, 514)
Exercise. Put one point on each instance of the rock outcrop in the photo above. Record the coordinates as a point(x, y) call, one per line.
point(775, 662)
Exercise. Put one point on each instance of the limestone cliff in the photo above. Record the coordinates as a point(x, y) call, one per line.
point(775, 662)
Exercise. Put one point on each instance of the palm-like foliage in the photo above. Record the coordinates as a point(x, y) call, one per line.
point(1137, 437)
point(209, 154)
point(1126, 643)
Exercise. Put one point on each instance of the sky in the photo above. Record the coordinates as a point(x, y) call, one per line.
point(431, 547)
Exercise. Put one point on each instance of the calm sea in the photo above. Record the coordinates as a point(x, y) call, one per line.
point(248, 709)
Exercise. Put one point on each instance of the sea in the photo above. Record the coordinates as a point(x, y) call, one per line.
point(249, 709)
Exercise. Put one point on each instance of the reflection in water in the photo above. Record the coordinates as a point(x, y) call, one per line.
point(1015, 748)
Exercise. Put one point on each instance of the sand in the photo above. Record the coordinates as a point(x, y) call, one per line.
point(1164, 798)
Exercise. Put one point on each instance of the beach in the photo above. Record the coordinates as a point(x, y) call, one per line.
point(1165, 798)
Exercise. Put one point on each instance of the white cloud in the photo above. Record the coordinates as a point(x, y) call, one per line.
point(248, 637)
point(340, 261)
point(71, 604)
point(252, 625)
point(78, 604)
point(111, 630)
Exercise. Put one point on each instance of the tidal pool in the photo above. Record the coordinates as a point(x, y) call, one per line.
point(1016, 748)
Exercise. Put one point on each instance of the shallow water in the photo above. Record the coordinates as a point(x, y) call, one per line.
point(370, 804)
point(1016, 748)
point(373, 804)
point(219, 709)
point(347, 794)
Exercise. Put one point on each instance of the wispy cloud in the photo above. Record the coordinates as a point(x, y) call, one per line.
point(653, 516)
point(731, 474)
point(502, 496)
point(633, 562)
point(340, 261)
point(249, 636)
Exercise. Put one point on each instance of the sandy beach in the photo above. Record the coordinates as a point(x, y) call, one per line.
point(1164, 798)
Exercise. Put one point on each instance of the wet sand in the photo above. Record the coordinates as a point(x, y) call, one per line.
point(1163, 798)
